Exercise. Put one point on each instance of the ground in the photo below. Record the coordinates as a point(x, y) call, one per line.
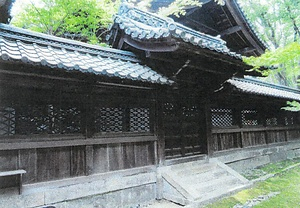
point(276, 185)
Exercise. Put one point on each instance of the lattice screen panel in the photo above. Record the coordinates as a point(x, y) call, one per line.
point(289, 120)
point(109, 120)
point(271, 121)
point(7, 121)
point(41, 119)
point(221, 117)
point(140, 120)
point(48, 119)
point(191, 111)
point(70, 120)
point(169, 109)
point(250, 118)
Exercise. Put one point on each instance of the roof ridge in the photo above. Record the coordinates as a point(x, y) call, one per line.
point(267, 84)
point(13, 32)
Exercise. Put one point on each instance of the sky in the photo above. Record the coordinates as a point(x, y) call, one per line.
point(19, 4)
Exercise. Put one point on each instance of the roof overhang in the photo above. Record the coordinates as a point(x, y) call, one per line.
point(260, 88)
point(40, 50)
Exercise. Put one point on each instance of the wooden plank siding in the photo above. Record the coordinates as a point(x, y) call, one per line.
point(46, 164)
point(224, 139)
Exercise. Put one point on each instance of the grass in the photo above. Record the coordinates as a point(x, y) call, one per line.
point(286, 182)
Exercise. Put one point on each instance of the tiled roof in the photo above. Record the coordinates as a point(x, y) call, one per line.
point(145, 26)
point(44, 50)
point(252, 86)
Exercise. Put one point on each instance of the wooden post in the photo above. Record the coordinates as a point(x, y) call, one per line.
point(208, 130)
point(89, 113)
point(159, 131)
point(264, 120)
point(237, 120)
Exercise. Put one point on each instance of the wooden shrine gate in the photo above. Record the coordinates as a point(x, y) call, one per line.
point(184, 128)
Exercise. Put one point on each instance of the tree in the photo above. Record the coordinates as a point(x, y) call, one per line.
point(84, 20)
point(277, 22)
point(287, 57)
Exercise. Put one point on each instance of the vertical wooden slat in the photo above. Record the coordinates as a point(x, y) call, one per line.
point(128, 155)
point(115, 152)
point(78, 161)
point(151, 153)
point(28, 162)
point(89, 159)
point(42, 164)
point(100, 159)
point(62, 162)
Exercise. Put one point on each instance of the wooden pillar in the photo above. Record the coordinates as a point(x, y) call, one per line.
point(263, 119)
point(208, 129)
point(159, 129)
point(237, 120)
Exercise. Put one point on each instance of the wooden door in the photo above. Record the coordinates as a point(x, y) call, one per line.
point(183, 129)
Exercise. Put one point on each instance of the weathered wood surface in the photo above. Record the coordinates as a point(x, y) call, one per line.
point(231, 138)
point(45, 164)
point(65, 142)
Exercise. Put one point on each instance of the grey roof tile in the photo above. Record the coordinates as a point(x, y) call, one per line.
point(48, 51)
point(252, 86)
point(144, 25)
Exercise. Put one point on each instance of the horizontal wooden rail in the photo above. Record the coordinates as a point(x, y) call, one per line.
point(254, 129)
point(11, 145)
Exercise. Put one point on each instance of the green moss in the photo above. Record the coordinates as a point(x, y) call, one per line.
point(286, 182)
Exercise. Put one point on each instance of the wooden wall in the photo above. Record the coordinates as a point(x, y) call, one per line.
point(53, 163)
point(73, 128)
point(241, 127)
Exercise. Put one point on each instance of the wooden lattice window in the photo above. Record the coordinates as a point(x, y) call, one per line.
point(140, 120)
point(39, 119)
point(169, 109)
point(289, 120)
point(109, 119)
point(122, 119)
point(271, 121)
point(221, 117)
point(250, 118)
point(7, 121)
point(191, 111)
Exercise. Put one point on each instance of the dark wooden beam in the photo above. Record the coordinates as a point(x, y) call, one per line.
point(247, 31)
point(199, 25)
point(247, 50)
point(231, 30)
point(158, 46)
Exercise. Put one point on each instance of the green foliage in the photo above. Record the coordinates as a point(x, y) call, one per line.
point(276, 20)
point(277, 23)
point(178, 7)
point(292, 106)
point(285, 58)
point(83, 20)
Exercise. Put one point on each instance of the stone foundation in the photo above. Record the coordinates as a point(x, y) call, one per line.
point(252, 157)
point(126, 188)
